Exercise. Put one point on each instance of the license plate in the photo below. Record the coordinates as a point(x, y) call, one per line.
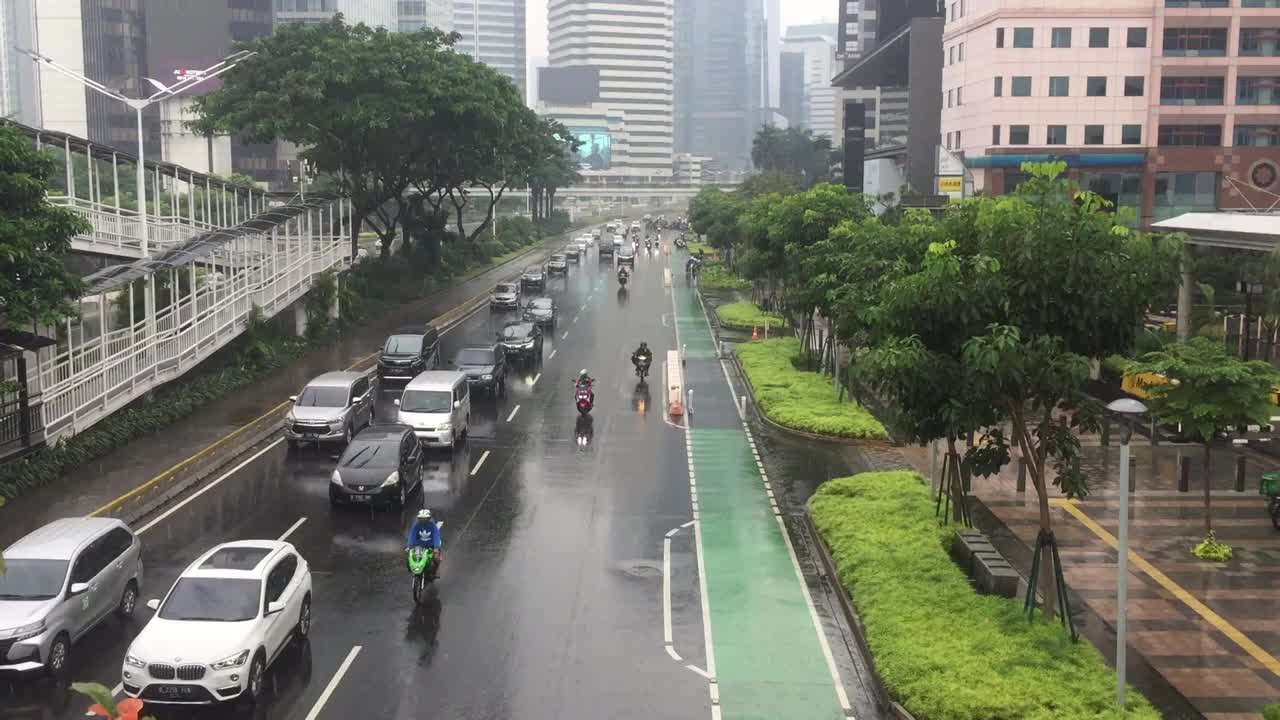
point(361, 498)
point(175, 691)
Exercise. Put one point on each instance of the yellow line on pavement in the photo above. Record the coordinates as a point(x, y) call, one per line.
point(1258, 653)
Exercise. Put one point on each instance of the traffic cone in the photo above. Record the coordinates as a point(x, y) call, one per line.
point(755, 334)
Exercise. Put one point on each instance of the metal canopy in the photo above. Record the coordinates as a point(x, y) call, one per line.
point(25, 340)
point(1245, 231)
point(202, 245)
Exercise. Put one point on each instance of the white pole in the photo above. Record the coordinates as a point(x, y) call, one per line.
point(1122, 600)
point(142, 188)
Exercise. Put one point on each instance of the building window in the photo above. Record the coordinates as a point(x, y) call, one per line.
point(1095, 86)
point(1195, 42)
point(1023, 37)
point(1061, 37)
point(999, 37)
point(1130, 134)
point(1260, 42)
point(1099, 37)
point(995, 134)
point(1191, 90)
point(1059, 86)
point(1258, 91)
point(1258, 135)
point(953, 13)
point(961, 8)
point(1178, 193)
point(1189, 136)
point(1020, 86)
point(957, 145)
point(1260, 3)
point(1203, 3)
point(949, 98)
point(951, 55)
point(1137, 37)
point(1056, 135)
point(1094, 134)
point(959, 96)
point(1119, 189)
point(1134, 85)
point(1019, 134)
point(961, 52)
point(997, 89)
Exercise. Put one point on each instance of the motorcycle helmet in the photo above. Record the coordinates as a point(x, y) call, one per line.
point(424, 514)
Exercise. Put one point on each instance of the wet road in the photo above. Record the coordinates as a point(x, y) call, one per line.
point(551, 601)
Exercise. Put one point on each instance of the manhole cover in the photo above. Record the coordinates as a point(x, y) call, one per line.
point(641, 568)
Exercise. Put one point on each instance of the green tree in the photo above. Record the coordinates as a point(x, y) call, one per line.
point(1012, 297)
point(794, 152)
point(553, 166)
point(35, 237)
point(365, 104)
point(1210, 390)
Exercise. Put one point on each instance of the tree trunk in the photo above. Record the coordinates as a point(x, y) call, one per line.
point(1208, 483)
point(1035, 468)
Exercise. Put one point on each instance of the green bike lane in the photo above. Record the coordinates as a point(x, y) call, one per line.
point(767, 654)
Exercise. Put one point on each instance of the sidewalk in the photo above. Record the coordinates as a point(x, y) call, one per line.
point(115, 474)
point(1211, 630)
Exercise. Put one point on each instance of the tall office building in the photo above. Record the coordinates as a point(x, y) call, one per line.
point(817, 42)
point(19, 77)
point(414, 15)
point(791, 87)
point(720, 78)
point(375, 13)
point(493, 31)
point(631, 47)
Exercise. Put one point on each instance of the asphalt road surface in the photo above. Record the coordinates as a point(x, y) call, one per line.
point(559, 531)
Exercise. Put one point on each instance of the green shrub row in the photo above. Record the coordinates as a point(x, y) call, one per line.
point(943, 651)
point(714, 276)
point(256, 356)
point(798, 399)
point(746, 315)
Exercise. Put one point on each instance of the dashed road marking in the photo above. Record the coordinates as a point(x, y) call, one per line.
point(479, 463)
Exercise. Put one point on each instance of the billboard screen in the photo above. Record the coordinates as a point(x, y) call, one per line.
point(595, 151)
point(569, 85)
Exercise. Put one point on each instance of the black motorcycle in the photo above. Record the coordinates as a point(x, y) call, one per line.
point(622, 279)
point(680, 242)
point(642, 363)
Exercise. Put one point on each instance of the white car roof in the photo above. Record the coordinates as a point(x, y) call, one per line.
point(246, 559)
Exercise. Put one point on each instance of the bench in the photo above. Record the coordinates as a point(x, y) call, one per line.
point(990, 571)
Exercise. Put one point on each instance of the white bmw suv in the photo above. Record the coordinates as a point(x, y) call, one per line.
point(226, 619)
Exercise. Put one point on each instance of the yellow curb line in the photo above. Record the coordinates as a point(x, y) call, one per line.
point(1213, 618)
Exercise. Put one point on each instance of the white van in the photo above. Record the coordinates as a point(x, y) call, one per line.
point(437, 405)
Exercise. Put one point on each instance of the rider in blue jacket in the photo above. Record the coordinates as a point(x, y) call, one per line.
point(425, 533)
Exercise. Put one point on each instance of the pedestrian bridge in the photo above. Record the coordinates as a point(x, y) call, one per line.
point(215, 252)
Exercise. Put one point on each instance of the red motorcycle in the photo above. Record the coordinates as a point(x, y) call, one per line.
point(584, 394)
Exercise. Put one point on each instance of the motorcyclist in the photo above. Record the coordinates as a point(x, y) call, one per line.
point(623, 274)
point(586, 381)
point(425, 533)
point(642, 355)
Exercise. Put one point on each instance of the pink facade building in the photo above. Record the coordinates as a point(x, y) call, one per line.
point(1164, 106)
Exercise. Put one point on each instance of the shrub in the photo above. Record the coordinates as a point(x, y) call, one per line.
point(943, 651)
point(1114, 366)
point(745, 316)
point(697, 247)
point(1271, 712)
point(714, 276)
point(1210, 549)
point(801, 400)
point(492, 248)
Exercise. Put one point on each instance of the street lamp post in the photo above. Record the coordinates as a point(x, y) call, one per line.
point(1128, 409)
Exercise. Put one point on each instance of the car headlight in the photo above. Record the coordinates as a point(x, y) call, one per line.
point(445, 427)
point(134, 661)
point(236, 660)
point(392, 480)
point(335, 478)
point(487, 377)
point(335, 426)
point(26, 632)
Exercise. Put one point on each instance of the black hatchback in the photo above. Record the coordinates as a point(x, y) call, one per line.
point(383, 464)
point(409, 352)
point(522, 340)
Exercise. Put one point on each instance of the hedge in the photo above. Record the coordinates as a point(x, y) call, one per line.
point(943, 651)
point(713, 276)
point(746, 315)
point(798, 399)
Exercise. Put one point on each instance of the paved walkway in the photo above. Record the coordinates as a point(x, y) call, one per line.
point(1212, 630)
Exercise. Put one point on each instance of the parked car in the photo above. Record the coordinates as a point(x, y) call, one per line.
point(534, 276)
point(505, 296)
point(521, 339)
point(573, 252)
point(437, 405)
point(223, 623)
point(383, 463)
point(541, 310)
point(627, 255)
point(59, 582)
point(558, 264)
point(485, 367)
point(408, 353)
point(331, 408)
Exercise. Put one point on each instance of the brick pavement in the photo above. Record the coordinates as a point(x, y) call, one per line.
point(1222, 679)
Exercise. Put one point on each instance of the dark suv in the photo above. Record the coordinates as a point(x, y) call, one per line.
point(522, 339)
point(383, 463)
point(409, 352)
point(534, 276)
point(485, 367)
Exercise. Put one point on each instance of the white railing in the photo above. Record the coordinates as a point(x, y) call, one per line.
point(82, 383)
point(117, 232)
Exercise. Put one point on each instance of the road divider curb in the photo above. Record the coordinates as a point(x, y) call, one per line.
point(675, 385)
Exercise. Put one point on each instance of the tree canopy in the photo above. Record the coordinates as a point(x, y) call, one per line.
point(794, 152)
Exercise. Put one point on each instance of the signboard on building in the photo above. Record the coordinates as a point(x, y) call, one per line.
point(950, 185)
point(595, 148)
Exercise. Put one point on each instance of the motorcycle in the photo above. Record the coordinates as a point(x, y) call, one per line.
point(622, 279)
point(584, 397)
point(642, 364)
point(422, 568)
point(681, 243)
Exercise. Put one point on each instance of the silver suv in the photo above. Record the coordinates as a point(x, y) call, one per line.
point(332, 407)
point(59, 583)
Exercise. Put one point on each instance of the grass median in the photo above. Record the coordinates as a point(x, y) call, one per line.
point(714, 276)
point(747, 315)
point(798, 399)
point(943, 651)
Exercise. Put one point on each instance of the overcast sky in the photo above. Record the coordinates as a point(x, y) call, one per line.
point(794, 12)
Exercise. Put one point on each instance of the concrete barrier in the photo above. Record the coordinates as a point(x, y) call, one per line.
point(675, 384)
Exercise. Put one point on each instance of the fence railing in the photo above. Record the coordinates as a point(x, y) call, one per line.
point(118, 232)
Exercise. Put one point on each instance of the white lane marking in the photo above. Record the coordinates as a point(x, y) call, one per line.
point(685, 525)
point(536, 378)
point(666, 588)
point(210, 486)
point(292, 527)
point(552, 355)
point(514, 410)
point(700, 671)
point(575, 318)
point(673, 531)
point(564, 335)
point(674, 655)
point(479, 462)
point(333, 683)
